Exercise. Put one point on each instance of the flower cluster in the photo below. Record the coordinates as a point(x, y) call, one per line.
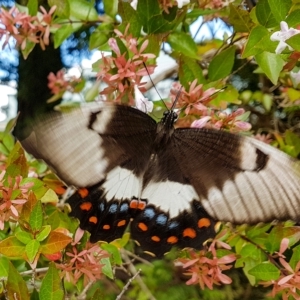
point(60, 82)
point(289, 281)
point(12, 197)
point(194, 100)
point(123, 71)
point(206, 268)
point(86, 263)
point(216, 4)
point(165, 4)
point(222, 120)
point(25, 28)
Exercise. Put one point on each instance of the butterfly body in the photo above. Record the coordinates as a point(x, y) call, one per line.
point(169, 184)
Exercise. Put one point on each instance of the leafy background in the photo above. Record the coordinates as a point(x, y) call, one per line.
point(43, 255)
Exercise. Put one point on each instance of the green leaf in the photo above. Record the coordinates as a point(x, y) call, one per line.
point(32, 249)
point(107, 269)
point(62, 7)
point(36, 217)
point(195, 13)
point(267, 102)
point(97, 295)
point(43, 234)
point(16, 287)
point(38, 187)
point(114, 251)
point(8, 141)
point(83, 10)
point(295, 257)
point(294, 42)
point(23, 236)
point(34, 295)
point(55, 242)
point(111, 7)
point(49, 196)
point(258, 41)
point(100, 36)
point(147, 9)
point(28, 49)
point(64, 32)
point(229, 95)
point(189, 70)
point(222, 64)
point(12, 247)
point(184, 44)
point(240, 19)
point(265, 271)
point(51, 288)
point(129, 16)
point(271, 64)
point(32, 7)
point(4, 264)
point(293, 140)
point(264, 14)
point(293, 18)
point(280, 8)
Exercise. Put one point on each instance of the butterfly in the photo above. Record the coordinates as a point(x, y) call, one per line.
point(169, 185)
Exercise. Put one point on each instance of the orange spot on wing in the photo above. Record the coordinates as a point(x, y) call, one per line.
point(106, 227)
point(189, 232)
point(142, 226)
point(137, 204)
point(155, 238)
point(204, 222)
point(83, 192)
point(121, 223)
point(93, 219)
point(172, 240)
point(86, 206)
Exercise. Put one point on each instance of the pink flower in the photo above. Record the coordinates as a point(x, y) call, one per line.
point(222, 120)
point(207, 271)
point(25, 28)
point(11, 207)
point(85, 263)
point(123, 71)
point(196, 98)
point(60, 83)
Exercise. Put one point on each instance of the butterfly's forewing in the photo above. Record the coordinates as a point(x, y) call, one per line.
point(104, 148)
point(238, 179)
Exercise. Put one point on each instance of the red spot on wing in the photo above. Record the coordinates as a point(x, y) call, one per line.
point(86, 206)
point(142, 226)
point(93, 219)
point(106, 227)
point(121, 223)
point(137, 204)
point(172, 240)
point(189, 232)
point(204, 222)
point(155, 238)
point(83, 192)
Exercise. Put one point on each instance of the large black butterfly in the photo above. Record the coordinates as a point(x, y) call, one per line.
point(170, 184)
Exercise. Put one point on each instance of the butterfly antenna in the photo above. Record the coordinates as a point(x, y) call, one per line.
point(176, 99)
point(154, 86)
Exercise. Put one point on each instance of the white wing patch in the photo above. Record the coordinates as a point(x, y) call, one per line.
point(121, 184)
point(70, 148)
point(171, 197)
point(256, 196)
